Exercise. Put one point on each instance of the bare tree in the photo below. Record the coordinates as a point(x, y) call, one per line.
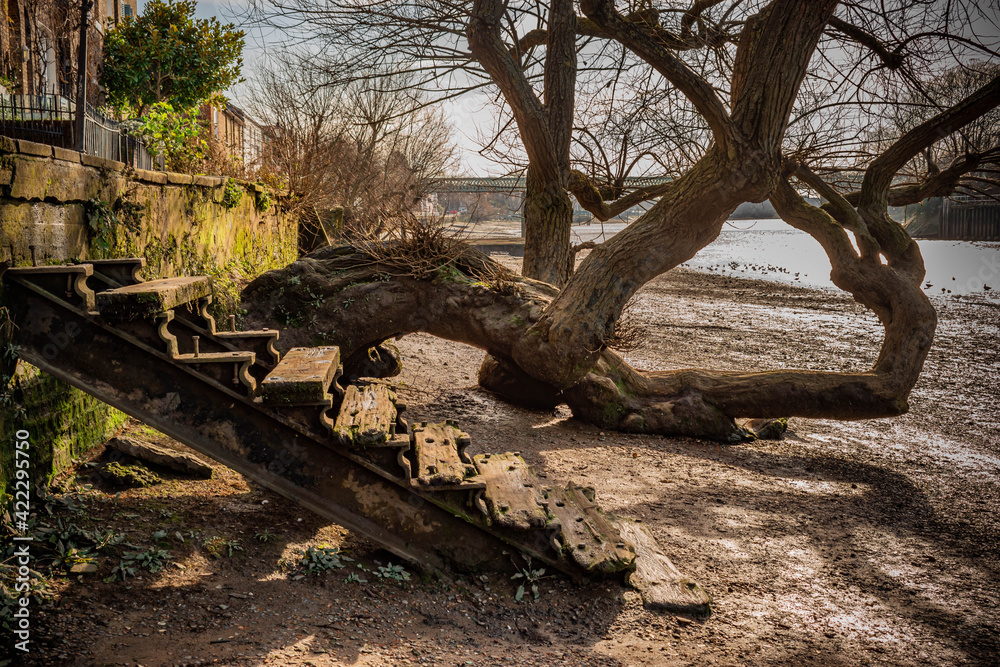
point(361, 146)
point(786, 90)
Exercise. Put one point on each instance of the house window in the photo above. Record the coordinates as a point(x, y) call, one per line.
point(126, 9)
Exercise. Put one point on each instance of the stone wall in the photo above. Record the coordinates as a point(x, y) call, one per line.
point(76, 207)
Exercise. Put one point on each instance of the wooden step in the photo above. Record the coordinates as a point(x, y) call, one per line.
point(153, 297)
point(368, 415)
point(660, 583)
point(587, 537)
point(440, 459)
point(513, 497)
point(302, 377)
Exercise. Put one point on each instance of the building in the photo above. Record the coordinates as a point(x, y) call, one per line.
point(236, 132)
point(39, 46)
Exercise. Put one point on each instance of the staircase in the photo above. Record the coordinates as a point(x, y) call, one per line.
point(153, 350)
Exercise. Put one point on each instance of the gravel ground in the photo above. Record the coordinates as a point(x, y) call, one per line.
point(853, 543)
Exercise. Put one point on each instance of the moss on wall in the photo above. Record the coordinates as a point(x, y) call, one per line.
point(63, 423)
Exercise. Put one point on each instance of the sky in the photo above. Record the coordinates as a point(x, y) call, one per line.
point(465, 114)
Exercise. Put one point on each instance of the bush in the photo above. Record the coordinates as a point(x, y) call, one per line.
point(233, 194)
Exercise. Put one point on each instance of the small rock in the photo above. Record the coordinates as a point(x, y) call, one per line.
point(83, 568)
point(186, 464)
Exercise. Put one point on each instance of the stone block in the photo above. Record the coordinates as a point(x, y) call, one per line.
point(208, 181)
point(174, 178)
point(101, 163)
point(65, 154)
point(31, 178)
point(147, 176)
point(31, 148)
point(8, 145)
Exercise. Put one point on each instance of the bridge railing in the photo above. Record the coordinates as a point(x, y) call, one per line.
point(517, 183)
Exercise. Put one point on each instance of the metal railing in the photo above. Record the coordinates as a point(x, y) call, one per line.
point(104, 137)
point(45, 119)
point(49, 119)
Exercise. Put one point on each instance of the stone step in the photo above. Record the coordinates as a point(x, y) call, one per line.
point(260, 342)
point(67, 282)
point(513, 497)
point(661, 584)
point(118, 272)
point(588, 538)
point(213, 365)
point(440, 461)
point(151, 298)
point(215, 357)
point(368, 416)
point(302, 377)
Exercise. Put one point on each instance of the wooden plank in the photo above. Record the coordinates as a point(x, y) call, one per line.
point(660, 583)
point(367, 415)
point(588, 538)
point(438, 452)
point(513, 494)
point(303, 376)
point(152, 297)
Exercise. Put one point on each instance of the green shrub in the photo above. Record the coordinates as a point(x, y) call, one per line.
point(233, 194)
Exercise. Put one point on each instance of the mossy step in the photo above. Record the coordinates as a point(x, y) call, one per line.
point(153, 297)
point(302, 377)
point(66, 281)
point(588, 538)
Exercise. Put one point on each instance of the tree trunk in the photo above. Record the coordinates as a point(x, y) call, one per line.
point(548, 218)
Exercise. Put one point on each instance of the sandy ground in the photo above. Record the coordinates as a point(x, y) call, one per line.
point(847, 543)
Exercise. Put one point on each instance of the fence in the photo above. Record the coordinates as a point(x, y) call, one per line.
point(103, 137)
point(49, 119)
point(45, 119)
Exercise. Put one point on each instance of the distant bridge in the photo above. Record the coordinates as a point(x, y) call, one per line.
point(510, 184)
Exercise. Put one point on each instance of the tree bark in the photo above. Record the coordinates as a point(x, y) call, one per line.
point(546, 130)
point(548, 220)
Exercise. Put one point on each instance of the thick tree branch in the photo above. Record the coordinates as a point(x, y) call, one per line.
point(587, 28)
point(939, 184)
point(892, 60)
point(768, 72)
point(878, 178)
point(483, 34)
point(841, 210)
point(560, 79)
point(647, 44)
point(874, 197)
point(592, 199)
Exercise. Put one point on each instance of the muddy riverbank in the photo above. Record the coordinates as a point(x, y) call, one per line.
point(847, 543)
